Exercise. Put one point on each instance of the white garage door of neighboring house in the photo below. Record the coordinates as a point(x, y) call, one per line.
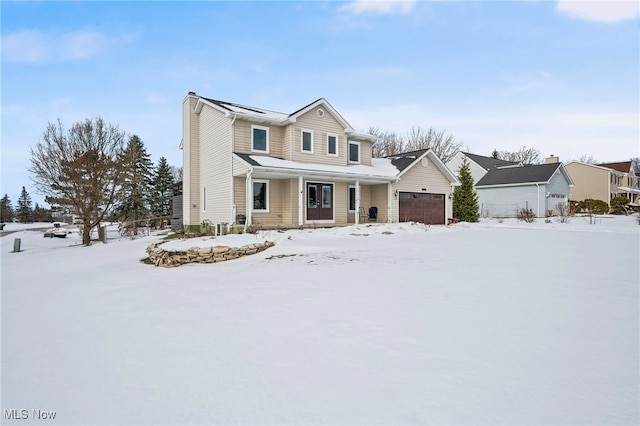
point(422, 207)
point(553, 200)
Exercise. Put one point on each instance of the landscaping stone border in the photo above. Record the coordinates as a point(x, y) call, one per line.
point(170, 258)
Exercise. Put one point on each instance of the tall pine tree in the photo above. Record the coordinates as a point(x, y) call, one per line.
point(162, 199)
point(24, 212)
point(6, 210)
point(465, 199)
point(135, 205)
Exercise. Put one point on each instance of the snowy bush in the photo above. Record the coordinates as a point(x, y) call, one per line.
point(526, 215)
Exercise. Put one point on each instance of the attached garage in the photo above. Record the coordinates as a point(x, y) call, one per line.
point(422, 207)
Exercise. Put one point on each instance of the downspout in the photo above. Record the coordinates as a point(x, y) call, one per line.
point(538, 208)
point(249, 192)
point(233, 192)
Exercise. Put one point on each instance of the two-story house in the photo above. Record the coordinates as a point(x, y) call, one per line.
point(604, 181)
point(250, 165)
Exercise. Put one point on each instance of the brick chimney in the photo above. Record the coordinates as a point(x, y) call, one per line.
point(551, 159)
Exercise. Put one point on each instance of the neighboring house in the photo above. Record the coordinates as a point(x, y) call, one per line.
point(504, 188)
point(478, 164)
point(629, 184)
point(604, 181)
point(249, 165)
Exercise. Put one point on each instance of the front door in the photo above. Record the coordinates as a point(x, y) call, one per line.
point(319, 201)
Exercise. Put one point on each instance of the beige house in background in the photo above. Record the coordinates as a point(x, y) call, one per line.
point(250, 165)
point(604, 181)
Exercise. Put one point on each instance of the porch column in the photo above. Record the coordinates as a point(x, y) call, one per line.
point(357, 202)
point(249, 201)
point(300, 201)
point(389, 201)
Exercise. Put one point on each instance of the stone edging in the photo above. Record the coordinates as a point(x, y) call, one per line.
point(169, 258)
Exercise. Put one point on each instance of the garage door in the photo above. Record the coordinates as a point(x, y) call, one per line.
point(423, 208)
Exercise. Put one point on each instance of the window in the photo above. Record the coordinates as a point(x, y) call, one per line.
point(259, 139)
point(307, 141)
point(354, 152)
point(332, 145)
point(260, 196)
point(352, 198)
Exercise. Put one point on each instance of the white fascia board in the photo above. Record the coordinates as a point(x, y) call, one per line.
point(504, 185)
point(278, 172)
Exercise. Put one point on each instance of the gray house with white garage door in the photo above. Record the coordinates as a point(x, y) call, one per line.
point(503, 192)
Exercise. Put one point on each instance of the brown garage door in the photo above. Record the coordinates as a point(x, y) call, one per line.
point(423, 208)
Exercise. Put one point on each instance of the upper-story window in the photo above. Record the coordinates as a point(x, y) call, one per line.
point(354, 152)
point(259, 139)
point(332, 145)
point(307, 141)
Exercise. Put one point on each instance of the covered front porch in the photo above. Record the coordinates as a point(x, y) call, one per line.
point(290, 197)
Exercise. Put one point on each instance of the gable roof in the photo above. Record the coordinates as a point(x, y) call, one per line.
point(621, 166)
point(406, 160)
point(277, 118)
point(489, 163)
point(529, 174)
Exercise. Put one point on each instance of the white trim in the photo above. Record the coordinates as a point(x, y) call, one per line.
point(302, 132)
point(337, 153)
point(253, 126)
point(349, 143)
point(253, 209)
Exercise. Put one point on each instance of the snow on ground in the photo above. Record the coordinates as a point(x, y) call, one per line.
point(488, 323)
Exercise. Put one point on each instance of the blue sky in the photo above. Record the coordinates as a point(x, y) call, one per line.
point(560, 76)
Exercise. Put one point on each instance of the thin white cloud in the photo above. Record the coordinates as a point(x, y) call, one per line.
point(34, 46)
point(599, 11)
point(379, 7)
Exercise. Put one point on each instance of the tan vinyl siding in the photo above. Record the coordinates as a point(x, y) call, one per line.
point(379, 198)
point(190, 162)
point(215, 165)
point(590, 182)
point(341, 205)
point(242, 136)
point(240, 168)
point(274, 216)
point(418, 177)
point(322, 127)
point(239, 188)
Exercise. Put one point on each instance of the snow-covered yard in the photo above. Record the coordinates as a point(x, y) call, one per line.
point(488, 323)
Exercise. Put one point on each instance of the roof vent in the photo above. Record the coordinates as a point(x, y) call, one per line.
point(320, 112)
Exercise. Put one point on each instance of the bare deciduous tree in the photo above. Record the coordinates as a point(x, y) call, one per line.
point(390, 143)
point(524, 155)
point(443, 145)
point(80, 168)
point(589, 159)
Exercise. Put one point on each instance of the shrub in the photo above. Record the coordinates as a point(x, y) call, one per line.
point(527, 215)
point(619, 205)
point(564, 210)
point(591, 206)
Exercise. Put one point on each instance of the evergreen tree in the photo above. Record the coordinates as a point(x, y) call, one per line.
point(465, 199)
point(41, 214)
point(134, 207)
point(162, 200)
point(6, 210)
point(24, 212)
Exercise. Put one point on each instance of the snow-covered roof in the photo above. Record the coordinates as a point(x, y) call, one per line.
point(381, 169)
